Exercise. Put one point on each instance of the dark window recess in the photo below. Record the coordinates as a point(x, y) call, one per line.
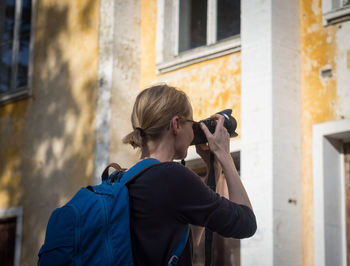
point(7, 25)
point(228, 18)
point(14, 56)
point(24, 40)
point(7, 241)
point(192, 24)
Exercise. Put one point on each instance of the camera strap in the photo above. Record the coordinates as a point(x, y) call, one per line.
point(209, 234)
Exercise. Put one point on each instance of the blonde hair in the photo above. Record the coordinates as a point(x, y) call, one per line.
point(152, 113)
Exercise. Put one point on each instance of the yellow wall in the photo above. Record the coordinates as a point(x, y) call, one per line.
point(318, 48)
point(209, 93)
point(47, 141)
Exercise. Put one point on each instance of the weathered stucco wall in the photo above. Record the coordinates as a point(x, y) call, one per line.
point(212, 85)
point(47, 141)
point(324, 97)
point(126, 78)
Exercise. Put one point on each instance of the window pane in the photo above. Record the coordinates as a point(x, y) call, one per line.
point(7, 20)
point(5, 67)
point(24, 39)
point(193, 24)
point(228, 18)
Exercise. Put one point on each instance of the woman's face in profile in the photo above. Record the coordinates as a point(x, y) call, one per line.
point(185, 136)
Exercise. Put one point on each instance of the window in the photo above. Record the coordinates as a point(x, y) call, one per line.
point(192, 24)
point(335, 11)
point(10, 236)
point(15, 35)
point(228, 18)
point(190, 31)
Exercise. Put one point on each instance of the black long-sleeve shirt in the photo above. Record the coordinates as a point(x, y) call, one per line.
point(166, 198)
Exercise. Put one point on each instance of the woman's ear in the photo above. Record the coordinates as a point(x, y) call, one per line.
point(175, 124)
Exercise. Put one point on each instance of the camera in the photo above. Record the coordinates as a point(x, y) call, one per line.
point(230, 124)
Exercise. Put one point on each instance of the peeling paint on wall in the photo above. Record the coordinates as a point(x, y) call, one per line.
point(319, 100)
point(212, 85)
point(148, 42)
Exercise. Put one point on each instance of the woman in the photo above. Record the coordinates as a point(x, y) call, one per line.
point(168, 196)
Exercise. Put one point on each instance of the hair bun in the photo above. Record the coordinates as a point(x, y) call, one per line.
point(142, 132)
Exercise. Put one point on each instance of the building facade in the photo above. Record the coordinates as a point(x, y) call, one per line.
point(47, 122)
point(283, 67)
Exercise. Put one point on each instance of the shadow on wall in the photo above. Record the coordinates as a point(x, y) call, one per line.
point(48, 141)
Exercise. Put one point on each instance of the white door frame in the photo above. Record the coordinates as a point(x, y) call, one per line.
point(329, 192)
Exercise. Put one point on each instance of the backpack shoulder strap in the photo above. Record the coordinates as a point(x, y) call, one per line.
point(175, 254)
point(138, 169)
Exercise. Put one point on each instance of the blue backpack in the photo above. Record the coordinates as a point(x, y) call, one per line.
point(93, 228)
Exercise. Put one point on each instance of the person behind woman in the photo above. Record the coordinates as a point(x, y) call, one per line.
point(168, 196)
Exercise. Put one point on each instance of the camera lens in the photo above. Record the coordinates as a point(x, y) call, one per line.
point(230, 124)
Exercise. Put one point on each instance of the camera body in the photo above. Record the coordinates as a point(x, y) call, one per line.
point(230, 124)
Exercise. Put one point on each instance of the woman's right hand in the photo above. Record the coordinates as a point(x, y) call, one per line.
point(219, 142)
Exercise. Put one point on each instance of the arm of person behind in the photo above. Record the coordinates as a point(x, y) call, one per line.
point(222, 190)
point(198, 205)
point(221, 187)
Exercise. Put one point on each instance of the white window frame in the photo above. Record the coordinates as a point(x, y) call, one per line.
point(16, 212)
point(329, 192)
point(168, 58)
point(26, 91)
point(335, 11)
